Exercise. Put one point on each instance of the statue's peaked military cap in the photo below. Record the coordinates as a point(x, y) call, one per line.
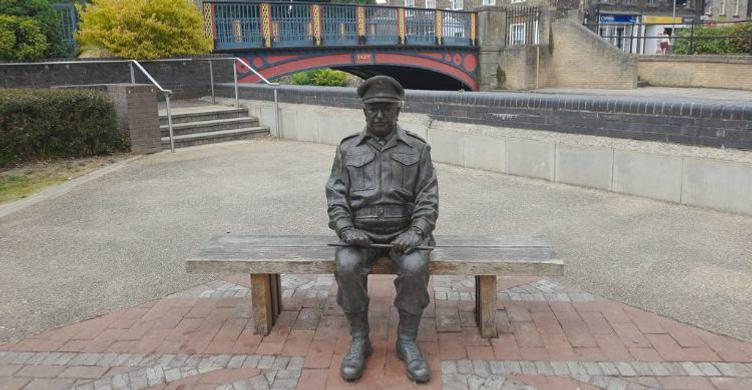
point(381, 89)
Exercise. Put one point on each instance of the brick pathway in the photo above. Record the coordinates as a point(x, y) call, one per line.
point(551, 338)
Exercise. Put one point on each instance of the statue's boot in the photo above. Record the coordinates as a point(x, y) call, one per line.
point(360, 347)
point(408, 351)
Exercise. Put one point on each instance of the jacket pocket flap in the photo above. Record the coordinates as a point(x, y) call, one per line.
point(405, 158)
point(358, 160)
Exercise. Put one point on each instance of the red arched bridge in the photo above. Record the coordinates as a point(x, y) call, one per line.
point(422, 48)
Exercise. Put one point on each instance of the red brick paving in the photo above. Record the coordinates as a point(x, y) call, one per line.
point(316, 331)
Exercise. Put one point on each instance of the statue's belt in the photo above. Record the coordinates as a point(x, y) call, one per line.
point(388, 211)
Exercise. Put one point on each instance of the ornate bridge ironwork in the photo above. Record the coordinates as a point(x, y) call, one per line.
point(423, 48)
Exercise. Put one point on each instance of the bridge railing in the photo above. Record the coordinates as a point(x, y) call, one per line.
point(250, 24)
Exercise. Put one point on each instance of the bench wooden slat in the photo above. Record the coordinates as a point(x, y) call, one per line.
point(322, 240)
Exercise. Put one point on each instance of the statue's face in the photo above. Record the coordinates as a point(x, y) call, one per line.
point(381, 117)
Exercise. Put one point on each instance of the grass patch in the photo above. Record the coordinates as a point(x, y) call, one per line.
point(19, 187)
point(29, 178)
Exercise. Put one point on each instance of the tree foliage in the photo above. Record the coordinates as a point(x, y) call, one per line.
point(30, 30)
point(320, 77)
point(143, 29)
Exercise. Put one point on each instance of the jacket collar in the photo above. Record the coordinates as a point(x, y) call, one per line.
point(400, 135)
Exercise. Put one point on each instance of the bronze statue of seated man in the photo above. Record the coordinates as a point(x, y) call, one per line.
point(383, 190)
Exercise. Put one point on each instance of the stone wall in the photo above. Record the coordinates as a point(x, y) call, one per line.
point(189, 78)
point(582, 59)
point(526, 67)
point(684, 121)
point(137, 114)
point(734, 72)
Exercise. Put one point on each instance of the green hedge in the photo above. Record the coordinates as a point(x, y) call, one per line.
point(321, 77)
point(722, 39)
point(44, 123)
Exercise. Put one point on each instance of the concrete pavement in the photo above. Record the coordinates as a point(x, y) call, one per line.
point(120, 240)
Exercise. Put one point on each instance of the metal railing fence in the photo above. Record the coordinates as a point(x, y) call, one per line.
point(249, 24)
point(68, 21)
point(694, 38)
point(523, 26)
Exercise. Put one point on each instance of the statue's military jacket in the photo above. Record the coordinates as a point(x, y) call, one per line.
point(383, 189)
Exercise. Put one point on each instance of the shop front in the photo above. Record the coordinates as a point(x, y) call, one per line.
point(622, 30)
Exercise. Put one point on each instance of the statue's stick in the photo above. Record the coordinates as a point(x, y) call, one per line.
point(385, 246)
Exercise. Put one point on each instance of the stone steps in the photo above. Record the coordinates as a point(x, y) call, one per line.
point(193, 139)
point(196, 125)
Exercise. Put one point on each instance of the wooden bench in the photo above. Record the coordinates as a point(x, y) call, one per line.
point(266, 257)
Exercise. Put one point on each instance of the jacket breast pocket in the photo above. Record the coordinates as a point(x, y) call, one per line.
point(405, 170)
point(362, 171)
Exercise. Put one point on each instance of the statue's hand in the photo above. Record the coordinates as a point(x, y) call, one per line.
point(355, 237)
point(407, 241)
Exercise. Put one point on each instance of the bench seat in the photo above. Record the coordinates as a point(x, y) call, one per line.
point(266, 257)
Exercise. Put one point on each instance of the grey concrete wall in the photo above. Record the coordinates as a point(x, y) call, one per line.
point(694, 176)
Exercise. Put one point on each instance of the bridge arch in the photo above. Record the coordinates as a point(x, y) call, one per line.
point(415, 68)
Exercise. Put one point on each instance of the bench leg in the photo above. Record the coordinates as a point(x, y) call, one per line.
point(266, 301)
point(485, 305)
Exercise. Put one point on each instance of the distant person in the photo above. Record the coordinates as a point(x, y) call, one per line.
point(664, 41)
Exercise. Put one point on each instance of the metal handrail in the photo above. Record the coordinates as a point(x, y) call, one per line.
point(235, 82)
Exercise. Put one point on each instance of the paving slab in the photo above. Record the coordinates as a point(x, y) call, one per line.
point(119, 241)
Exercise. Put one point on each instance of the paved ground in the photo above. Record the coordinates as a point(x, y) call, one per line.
point(658, 92)
point(119, 241)
point(553, 338)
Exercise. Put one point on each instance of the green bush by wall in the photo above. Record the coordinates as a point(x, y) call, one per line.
point(723, 39)
point(57, 123)
point(320, 77)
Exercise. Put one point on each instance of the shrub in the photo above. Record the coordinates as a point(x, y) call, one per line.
point(143, 29)
point(30, 30)
point(57, 123)
point(320, 77)
point(724, 39)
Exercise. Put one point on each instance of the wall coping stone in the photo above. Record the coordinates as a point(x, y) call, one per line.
point(674, 107)
point(721, 59)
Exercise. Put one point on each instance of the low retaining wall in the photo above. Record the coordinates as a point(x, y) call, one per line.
point(713, 178)
point(733, 72)
point(187, 78)
point(687, 121)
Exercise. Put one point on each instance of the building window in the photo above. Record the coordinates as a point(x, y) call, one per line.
point(457, 4)
point(489, 2)
point(409, 3)
point(430, 3)
point(723, 7)
point(517, 1)
point(517, 34)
